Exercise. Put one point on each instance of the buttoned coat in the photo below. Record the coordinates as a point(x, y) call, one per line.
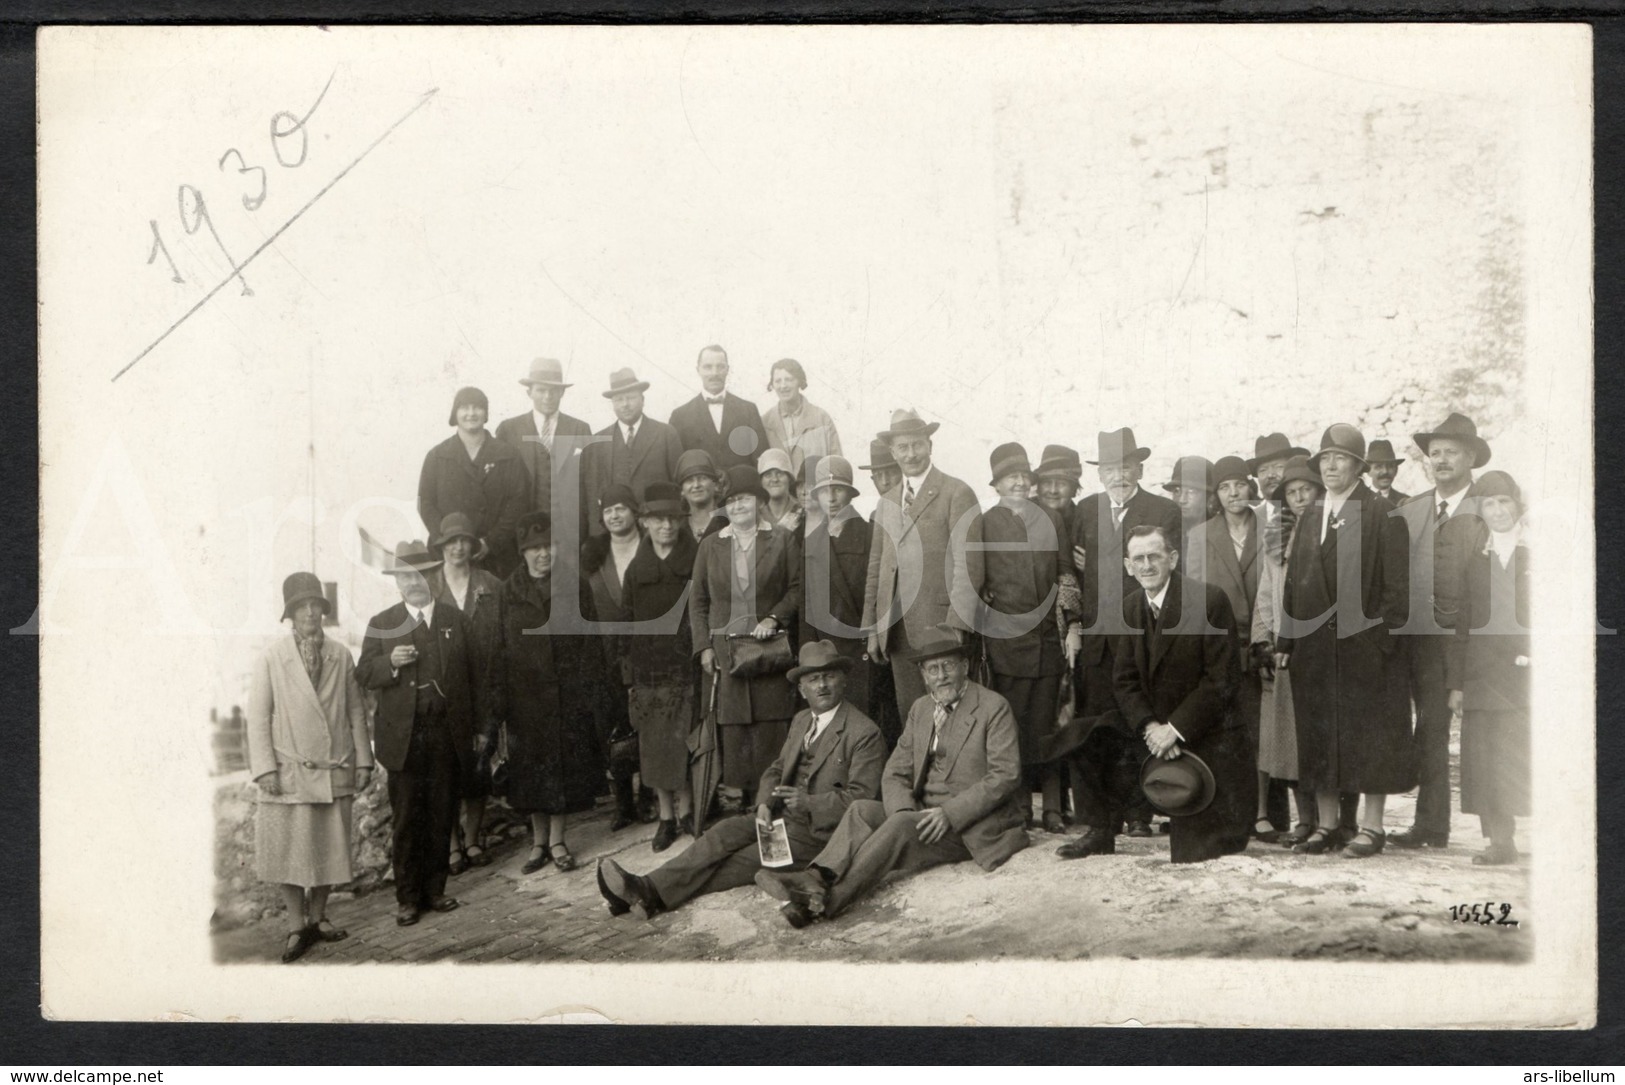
point(545, 470)
point(467, 702)
point(652, 458)
point(715, 613)
point(937, 582)
point(1439, 552)
point(809, 433)
point(847, 760)
point(491, 489)
point(1350, 693)
point(983, 772)
point(695, 429)
point(312, 737)
point(1021, 577)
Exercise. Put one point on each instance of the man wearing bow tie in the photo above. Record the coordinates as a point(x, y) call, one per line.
point(950, 794)
point(832, 758)
point(723, 424)
point(417, 656)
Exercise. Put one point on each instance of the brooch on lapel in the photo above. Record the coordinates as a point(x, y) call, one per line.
point(488, 467)
point(1337, 524)
point(446, 632)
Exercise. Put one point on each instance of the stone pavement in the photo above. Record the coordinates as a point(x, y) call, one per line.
point(1265, 902)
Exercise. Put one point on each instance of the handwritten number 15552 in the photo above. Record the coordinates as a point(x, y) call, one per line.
point(194, 210)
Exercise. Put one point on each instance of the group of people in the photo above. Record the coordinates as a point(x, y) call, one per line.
point(927, 685)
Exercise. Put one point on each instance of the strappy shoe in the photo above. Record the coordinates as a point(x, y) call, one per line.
point(1366, 843)
point(1300, 832)
point(1317, 842)
point(1265, 830)
point(326, 932)
point(539, 859)
point(299, 942)
point(565, 861)
point(459, 862)
point(478, 856)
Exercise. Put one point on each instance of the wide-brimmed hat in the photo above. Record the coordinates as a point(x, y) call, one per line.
point(743, 479)
point(1118, 446)
point(300, 587)
point(1498, 484)
point(908, 423)
point(464, 397)
point(1298, 469)
point(1178, 788)
point(1059, 461)
point(833, 471)
point(1273, 446)
point(1381, 451)
point(454, 525)
point(696, 461)
point(1457, 427)
point(545, 371)
point(533, 529)
point(624, 380)
point(1229, 469)
point(662, 499)
point(1008, 459)
point(819, 655)
point(880, 457)
point(619, 494)
point(1340, 437)
point(775, 459)
point(1191, 471)
point(412, 557)
point(940, 640)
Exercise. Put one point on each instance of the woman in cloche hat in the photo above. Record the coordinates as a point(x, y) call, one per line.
point(309, 753)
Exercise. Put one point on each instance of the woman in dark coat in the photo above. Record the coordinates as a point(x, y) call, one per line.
point(662, 696)
point(1350, 693)
point(747, 582)
point(547, 689)
point(837, 563)
point(473, 473)
point(1487, 669)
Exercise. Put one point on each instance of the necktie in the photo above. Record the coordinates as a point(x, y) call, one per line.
point(939, 716)
point(908, 492)
point(1444, 512)
point(631, 432)
point(807, 743)
point(1156, 612)
point(547, 432)
point(717, 401)
point(1117, 515)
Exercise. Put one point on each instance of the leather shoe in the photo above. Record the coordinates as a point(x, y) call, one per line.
point(1053, 822)
point(406, 915)
point(805, 888)
point(533, 865)
point(299, 942)
point(1139, 828)
point(665, 835)
point(1318, 842)
point(441, 904)
point(796, 915)
point(621, 820)
point(1300, 832)
point(1419, 838)
point(1366, 843)
point(1497, 854)
point(633, 890)
point(1093, 842)
point(617, 905)
point(685, 824)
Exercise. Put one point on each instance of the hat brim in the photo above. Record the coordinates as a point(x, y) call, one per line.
point(839, 663)
point(663, 508)
point(304, 597)
point(1280, 491)
point(922, 431)
point(1481, 447)
point(480, 547)
point(414, 567)
point(934, 649)
point(1139, 455)
point(1059, 470)
point(529, 381)
point(1196, 806)
point(878, 466)
point(828, 482)
point(1286, 454)
point(1315, 459)
point(640, 386)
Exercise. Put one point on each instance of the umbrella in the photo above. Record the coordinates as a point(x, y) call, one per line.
point(704, 759)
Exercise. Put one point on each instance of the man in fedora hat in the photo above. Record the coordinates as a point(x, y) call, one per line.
point(884, 473)
point(886, 477)
point(1271, 454)
point(832, 757)
point(1105, 789)
point(632, 451)
point(727, 426)
point(919, 576)
point(949, 793)
point(1441, 525)
point(541, 432)
point(429, 724)
point(1175, 675)
point(1345, 595)
point(1381, 465)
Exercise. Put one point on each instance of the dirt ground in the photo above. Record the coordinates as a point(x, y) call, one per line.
point(1265, 902)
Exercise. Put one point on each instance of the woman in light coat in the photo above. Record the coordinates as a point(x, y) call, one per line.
point(794, 425)
point(309, 754)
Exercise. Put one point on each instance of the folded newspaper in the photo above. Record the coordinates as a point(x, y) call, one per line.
point(773, 844)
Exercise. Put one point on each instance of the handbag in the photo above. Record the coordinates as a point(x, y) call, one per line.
point(752, 658)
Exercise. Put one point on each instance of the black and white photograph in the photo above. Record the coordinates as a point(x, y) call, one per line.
point(1017, 525)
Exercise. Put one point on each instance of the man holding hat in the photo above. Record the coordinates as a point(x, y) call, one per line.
point(1382, 465)
point(1345, 595)
point(637, 450)
point(949, 793)
point(1442, 524)
point(543, 429)
point(727, 426)
point(430, 720)
point(925, 561)
point(1105, 789)
point(832, 758)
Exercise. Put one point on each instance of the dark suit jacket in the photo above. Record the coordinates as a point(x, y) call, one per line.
point(847, 761)
point(1020, 581)
point(1105, 583)
point(459, 679)
point(545, 470)
point(652, 458)
point(694, 427)
point(926, 578)
point(1178, 674)
point(1438, 554)
point(984, 773)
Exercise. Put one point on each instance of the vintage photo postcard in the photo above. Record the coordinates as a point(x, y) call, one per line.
point(1115, 500)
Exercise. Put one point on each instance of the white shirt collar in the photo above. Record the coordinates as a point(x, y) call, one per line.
point(629, 429)
point(426, 612)
point(1156, 600)
point(821, 721)
point(1452, 504)
point(541, 420)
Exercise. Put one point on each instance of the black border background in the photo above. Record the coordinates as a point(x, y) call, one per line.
point(27, 1039)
